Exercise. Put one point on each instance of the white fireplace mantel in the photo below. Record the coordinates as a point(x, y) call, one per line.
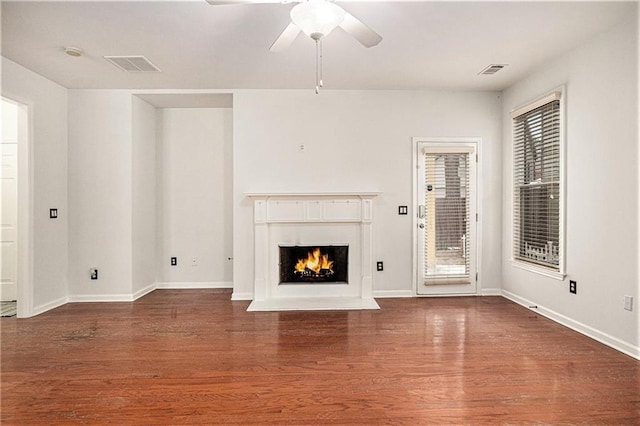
point(307, 219)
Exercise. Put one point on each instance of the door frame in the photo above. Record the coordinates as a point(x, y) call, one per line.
point(24, 276)
point(462, 141)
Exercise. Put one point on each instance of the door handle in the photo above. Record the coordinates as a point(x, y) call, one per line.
point(421, 211)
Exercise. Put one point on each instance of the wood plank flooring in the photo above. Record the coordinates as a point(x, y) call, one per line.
point(195, 357)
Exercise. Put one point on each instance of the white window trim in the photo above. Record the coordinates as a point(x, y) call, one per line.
point(557, 93)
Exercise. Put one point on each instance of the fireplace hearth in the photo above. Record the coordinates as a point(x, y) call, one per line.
point(314, 264)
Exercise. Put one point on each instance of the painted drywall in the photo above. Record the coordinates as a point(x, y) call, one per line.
point(100, 194)
point(47, 106)
point(601, 79)
point(638, 156)
point(359, 141)
point(196, 207)
point(144, 196)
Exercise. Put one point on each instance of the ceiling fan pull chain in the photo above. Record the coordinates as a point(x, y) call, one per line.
point(321, 83)
point(317, 69)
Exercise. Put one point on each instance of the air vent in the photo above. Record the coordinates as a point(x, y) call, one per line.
point(492, 69)
point(132, 63)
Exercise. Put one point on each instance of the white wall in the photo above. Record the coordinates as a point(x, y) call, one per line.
point(47, 104)
point(144, 196)
point(359, 140)
point(196, 207)
point(601, 79)
point(100, 194)
point(638, 155)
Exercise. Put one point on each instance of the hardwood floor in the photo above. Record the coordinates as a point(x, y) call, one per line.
point(193, 356)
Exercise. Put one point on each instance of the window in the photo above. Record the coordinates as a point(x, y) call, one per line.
point(537, 239)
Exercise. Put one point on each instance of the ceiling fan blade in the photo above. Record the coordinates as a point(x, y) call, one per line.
point(285, 39)
point(226, 2)
point(365, 35)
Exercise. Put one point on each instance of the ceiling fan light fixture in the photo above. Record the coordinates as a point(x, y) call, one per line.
point(317, 18)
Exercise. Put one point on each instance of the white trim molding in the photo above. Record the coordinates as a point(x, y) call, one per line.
point(237, 296)
point(41, 309)
point(392, 293)
point(193, 285)
point(604, 338)
point(144, 291)
point(100, 298)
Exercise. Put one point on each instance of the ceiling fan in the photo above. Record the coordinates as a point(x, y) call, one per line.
point(316, 18)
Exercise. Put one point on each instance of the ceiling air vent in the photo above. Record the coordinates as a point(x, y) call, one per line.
point(132, 63)
point(492, 69)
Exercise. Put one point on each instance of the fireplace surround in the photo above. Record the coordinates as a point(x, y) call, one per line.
point(304, 222)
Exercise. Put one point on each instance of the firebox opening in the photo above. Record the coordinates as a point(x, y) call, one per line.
point(314, 264)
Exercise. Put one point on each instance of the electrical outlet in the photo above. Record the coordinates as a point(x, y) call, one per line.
point(628, 303)
point(379, 266)
point(194, 261)
point(93, 273)
point(53, 213)
point(174, 261)
point(573, 287)
point(403, 210)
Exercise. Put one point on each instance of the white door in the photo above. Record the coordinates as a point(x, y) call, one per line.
point(8, 220)
point(446, 222)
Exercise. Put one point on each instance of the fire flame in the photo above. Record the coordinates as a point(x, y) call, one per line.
point(315, 262)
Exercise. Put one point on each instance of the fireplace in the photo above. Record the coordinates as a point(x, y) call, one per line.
point(327, 236)
point(314, 264)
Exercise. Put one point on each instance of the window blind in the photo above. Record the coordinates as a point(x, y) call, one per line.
point(447, 218)
point(536, 201)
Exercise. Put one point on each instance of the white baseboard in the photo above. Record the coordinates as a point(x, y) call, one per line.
point(241, 296)
point(148, 289)
point(48, 306)
point(491, 292)
point(393, 293)
point(194, 284)
point(101, 298)
point(604, 338)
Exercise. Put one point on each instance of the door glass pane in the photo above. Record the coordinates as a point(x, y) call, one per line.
point(446, 219)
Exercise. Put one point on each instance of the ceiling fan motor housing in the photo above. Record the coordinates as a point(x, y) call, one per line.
point(317, 18)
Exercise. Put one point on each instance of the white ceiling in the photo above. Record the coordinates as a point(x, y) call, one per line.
point(426, 44)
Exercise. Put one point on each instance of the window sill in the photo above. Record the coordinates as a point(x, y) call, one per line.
point(538, 270)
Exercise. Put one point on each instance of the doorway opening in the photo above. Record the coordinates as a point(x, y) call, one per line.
point(15, 285)
point(9, 210)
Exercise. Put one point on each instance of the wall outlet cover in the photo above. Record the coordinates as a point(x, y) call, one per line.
point(174, 261)
point(379, 266)
point(573, 287)
point(628, 303)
